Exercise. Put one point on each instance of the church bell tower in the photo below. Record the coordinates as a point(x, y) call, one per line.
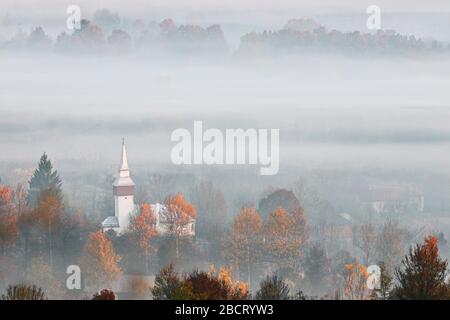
point(124, 189)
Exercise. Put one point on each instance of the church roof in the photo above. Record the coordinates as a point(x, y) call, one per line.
point(123, 181)
point(124, 162)
point(110, 222)
point(124, 171)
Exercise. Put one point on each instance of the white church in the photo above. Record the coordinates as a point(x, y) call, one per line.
point(125, 208)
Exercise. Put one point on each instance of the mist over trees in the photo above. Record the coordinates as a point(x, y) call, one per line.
point(379, 197)
point(307, 36)
point(278, 256)
point(107, 32)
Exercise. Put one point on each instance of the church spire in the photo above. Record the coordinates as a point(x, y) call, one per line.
point(124, 169)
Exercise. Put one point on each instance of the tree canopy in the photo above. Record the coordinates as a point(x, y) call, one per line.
point(46, 180)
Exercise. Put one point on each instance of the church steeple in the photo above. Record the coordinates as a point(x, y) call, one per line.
point(123, 190)
point(124, 169)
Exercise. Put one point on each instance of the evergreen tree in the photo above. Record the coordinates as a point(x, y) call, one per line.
point(167, 284)
point(273, 288)
point(317, 268)
point(423, 274)
point(44, 180)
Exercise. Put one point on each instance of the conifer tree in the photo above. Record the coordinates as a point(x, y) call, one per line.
point(44, 180)
point(423, 274)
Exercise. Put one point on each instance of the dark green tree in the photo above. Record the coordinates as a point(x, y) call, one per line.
point(317, 268)
point(422, 275)
point(167, 284)
point(273, 288)
point(45, 180)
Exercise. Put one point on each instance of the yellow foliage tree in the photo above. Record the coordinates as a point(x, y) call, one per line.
point(142, 229)
point(355, 287)
point(285, 235)
point(246, 239)
point(99, 262)
point(177, 215)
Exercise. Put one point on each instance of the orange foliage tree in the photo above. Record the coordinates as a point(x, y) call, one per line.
point(8, 221)
point(100, 263)
point(5, 198)
point(246, 239)
point(355, 287)
point(8, 231)
point(284, 236)
point(142, 229)
point(212, 285)
point(49, 215)
point(177, 215)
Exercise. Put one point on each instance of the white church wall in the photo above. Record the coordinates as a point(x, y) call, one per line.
point(124, 208)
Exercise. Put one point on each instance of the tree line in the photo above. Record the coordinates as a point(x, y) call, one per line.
point(265, 253)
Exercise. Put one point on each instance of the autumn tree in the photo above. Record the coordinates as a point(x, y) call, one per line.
point(142, 229)
point(212, 285)
point(48, 216)
point(339, 272)
point(422, 274)
point(44, 179)
point(246, 239)
point(239, 290)
point(177, 216)
point(8, 220)
point(284, 237)
point(16, 206)
point(198, 285)
point(355, 287)
point(5, 198)
point(99, 261)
